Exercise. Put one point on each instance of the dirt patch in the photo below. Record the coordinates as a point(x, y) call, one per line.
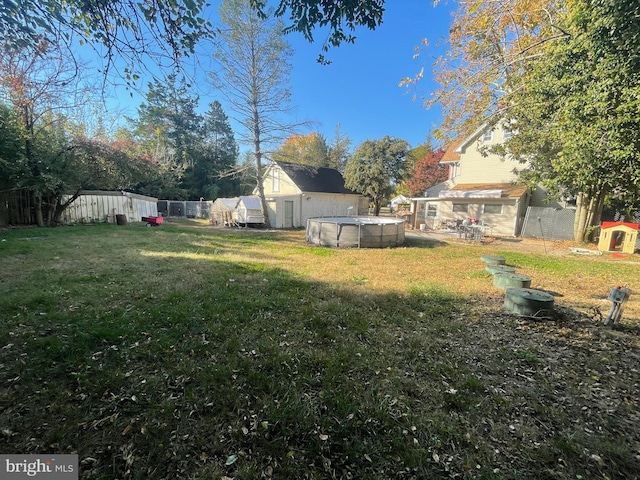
point(530, 245)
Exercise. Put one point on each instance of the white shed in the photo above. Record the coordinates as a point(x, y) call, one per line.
point(294, 193)
point(249, 211)
point(97, 206)
point(222, 211)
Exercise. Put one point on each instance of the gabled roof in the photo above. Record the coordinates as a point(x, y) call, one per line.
point(451, 154)
point(315, 179)
point(485, 190)
point(470, 138)
point(454, 150)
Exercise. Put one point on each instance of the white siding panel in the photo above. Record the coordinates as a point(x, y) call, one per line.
point(102, 207)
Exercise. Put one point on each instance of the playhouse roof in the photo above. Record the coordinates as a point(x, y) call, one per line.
point(632, 226)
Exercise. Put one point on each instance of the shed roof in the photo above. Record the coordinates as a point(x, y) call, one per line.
point(228, 203)
point(119, 193)
point(251, 202)
point(309, 178)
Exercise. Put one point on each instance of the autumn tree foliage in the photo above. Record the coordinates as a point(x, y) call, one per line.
point(576, 110)
point(487, 45)
point(426, 173)
point(47, 153)
point(565, 75)
point(310, 149)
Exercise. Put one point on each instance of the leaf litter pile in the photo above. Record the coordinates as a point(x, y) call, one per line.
point(206, 355)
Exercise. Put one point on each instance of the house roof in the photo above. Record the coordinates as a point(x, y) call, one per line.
point(487, 190)
point(309, 178)
point(461, 145)
point(454, 150)
point(451, 154)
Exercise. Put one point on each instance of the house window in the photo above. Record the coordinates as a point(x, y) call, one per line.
point(492, 209)
point(460, 207)
point(454, 170)
point(507, 134)
point(432, 210)
point(275, 180)
point(487, 136)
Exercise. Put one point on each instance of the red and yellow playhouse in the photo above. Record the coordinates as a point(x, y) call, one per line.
point(618, 237)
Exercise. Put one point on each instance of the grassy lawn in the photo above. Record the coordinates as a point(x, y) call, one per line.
point(189, 352)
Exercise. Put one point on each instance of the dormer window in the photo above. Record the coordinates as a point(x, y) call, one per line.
point(487, 136)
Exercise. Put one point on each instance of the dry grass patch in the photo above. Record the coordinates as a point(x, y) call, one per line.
point(185, 351)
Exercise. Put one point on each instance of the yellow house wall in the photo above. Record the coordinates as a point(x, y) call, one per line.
point(287, 187)
point(476, 168)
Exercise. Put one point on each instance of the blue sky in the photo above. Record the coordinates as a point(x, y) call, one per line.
point(359, 89)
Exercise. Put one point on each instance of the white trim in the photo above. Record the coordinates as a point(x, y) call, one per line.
point(471, 137)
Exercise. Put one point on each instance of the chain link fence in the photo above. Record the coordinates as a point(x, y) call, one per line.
point(549, 223)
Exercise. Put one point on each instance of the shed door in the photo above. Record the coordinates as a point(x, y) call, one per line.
point(288, 214)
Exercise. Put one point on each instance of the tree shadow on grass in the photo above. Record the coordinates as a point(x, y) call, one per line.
point(224, 368)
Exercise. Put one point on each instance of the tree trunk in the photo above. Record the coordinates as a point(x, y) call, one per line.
point(257, 152)
point(588, 215)
point(376, 206)
point(37, 205)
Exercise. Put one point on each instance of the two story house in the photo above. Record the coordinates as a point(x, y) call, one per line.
point(481, 185)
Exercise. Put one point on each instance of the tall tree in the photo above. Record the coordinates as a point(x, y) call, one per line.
point(35, 83)
point(339, 150)
point(487, 44)
point(576, 112)
point(254, 72)
point(218, 154)
point(427, 172)
point(168, 129)
point(374, 168)
point(310, 149)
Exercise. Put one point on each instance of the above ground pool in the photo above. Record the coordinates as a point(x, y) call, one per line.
point(355, 232)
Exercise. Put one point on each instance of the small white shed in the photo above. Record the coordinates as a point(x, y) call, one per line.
point(399, 200)
point(248, 211)
point(222, 211)
point(95, 206)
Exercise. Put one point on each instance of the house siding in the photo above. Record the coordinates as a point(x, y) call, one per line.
point(285, 184)
point(500, 224)
point(488, 168)
point(306, 204)
point(312, 205)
